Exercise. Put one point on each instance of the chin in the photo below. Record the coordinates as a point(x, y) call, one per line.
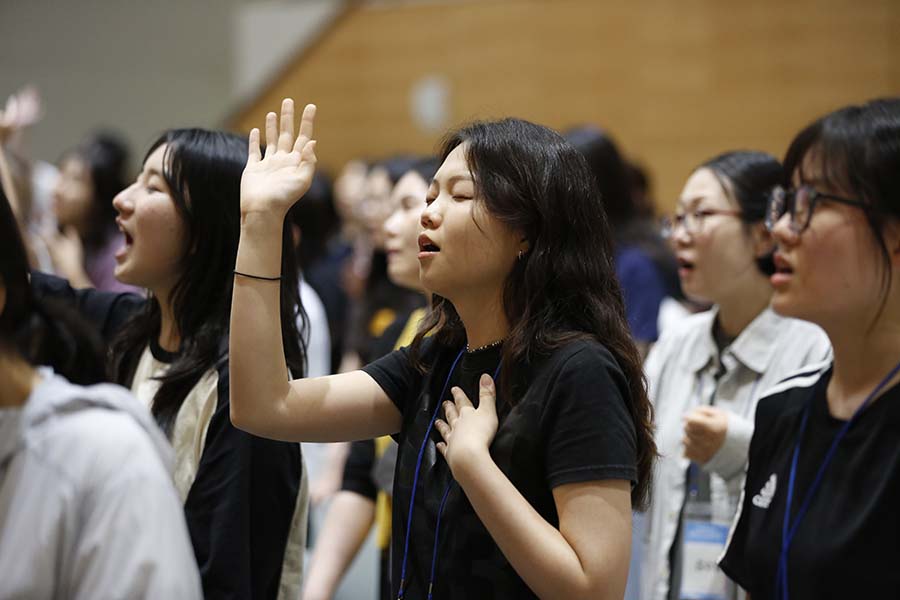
point(786, 307)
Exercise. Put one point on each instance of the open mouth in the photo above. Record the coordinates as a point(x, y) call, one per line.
point(685, 264)
point(426, 245)
point(782, 267)
point(129, 241)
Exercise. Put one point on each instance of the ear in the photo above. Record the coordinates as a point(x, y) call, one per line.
point(763, 243)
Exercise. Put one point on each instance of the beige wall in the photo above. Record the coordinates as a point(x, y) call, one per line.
point(675, 81)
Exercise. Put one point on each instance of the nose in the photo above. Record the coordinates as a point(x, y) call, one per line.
point(782, 231)
point(123, 202)
point(431, 216)
point(680, 236)
point(390, 224)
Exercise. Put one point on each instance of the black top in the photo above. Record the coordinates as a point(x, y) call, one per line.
point(571, 424)
point(848, 544)
point(357, 475)
point(240, 507)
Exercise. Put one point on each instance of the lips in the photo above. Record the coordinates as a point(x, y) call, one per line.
point(685, 266)
point(427, 246)
point(784, 271)
point(782, 265)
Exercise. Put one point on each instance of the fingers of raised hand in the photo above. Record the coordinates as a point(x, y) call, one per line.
point(286, 135)
point(271, 133)
point(254, 154)
point(306, 128)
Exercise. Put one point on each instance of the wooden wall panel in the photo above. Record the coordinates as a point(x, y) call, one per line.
point(676, 82)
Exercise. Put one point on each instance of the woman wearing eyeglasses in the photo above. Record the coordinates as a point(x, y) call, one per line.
point(705, 375)
point(819, 513)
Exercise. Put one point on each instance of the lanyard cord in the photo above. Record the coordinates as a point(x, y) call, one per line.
point(788, 529)
point(412, 498)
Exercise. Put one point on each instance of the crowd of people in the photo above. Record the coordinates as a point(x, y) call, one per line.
point(498, 357)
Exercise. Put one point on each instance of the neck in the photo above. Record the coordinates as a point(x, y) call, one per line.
point(861, 361)
point(484, 319)
point(19, 379)
point(169, 336)
point(739, 311)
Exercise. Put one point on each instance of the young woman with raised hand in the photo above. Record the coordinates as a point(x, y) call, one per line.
point(521, 488)
point(707, 373)
point(819, 514)
point(86, 497)
point(244, 496)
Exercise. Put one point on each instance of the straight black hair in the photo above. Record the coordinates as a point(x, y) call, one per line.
point(203, 171)
point(856, 150)
point(564, 288)
point(748, 176)
point(41, 331)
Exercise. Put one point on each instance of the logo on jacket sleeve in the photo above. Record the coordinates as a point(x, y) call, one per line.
point(764, 498)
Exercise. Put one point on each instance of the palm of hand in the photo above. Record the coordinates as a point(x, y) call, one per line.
point(276, 180)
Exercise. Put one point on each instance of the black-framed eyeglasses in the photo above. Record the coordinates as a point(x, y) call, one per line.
point(800, 203)
point(692, 220)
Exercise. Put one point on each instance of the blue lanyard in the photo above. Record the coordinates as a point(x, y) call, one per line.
point(412, 499)
point(789, 529)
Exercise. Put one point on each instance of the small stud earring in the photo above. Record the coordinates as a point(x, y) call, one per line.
point(521, 254)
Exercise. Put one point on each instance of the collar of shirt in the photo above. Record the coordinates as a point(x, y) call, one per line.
point(754, 347)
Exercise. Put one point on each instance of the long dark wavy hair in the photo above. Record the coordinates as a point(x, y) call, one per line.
point(564, 288)
point(40, 330)
point(203, 171)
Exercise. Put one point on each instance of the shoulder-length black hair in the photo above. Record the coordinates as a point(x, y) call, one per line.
point(41, 331)
point(856, 150)
point(106, 157)
point(748, 176)
point(565, 287)
point(203, 171)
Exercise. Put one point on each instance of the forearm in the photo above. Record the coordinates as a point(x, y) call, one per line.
point(346, 526)
point(539, 552)
point(259, 383)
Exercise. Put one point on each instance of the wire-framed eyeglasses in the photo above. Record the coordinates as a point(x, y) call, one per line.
point(692, 221)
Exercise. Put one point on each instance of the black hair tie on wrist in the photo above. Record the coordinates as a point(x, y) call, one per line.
point(261, 278)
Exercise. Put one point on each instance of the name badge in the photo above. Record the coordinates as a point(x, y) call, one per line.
point(701, 578)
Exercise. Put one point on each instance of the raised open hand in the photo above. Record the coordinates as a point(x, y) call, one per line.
point(273, 182)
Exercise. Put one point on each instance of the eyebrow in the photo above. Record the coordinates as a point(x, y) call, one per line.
point(691, 200)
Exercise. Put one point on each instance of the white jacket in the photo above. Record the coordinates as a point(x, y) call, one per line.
point(87, 504)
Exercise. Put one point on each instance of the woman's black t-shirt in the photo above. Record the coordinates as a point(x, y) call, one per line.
point(570, 423)
point(848, 544)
